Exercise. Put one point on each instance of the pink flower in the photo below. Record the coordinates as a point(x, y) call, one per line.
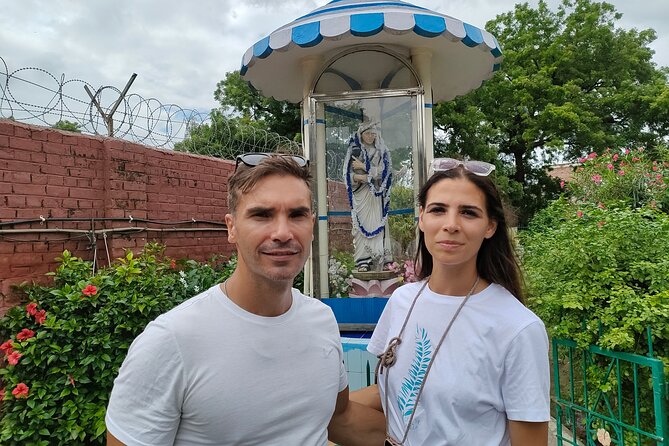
point(582, 160)
point(597, 179)
point(90, 290)
point(658, 176)
point(640, 149)
point(579, 214)
point(562, 184)
point(25, 334)
point(621, 172)
point(615, 157)
point(409, 271)
point(21, 391)
point(40, 316)
point(635, 159)
point(7, 347)
point(609, 166)
point(31, 309)
point(592, 156)
point(655, 168)
point(627, 151)
point(13, 358)
point(600, 205)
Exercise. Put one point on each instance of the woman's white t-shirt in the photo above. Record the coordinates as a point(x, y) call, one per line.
point(492, 367)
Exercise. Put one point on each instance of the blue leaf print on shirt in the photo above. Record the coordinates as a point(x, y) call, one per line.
point(406, 400)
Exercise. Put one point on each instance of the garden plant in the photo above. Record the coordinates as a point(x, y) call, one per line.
point(597, 265)
point(63, 348)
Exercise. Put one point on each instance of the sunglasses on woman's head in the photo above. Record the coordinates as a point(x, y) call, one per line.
point(253, 159)
point(479, 168)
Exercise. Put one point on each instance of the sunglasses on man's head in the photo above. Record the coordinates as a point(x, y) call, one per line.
point(253, 159)
point(479, 168)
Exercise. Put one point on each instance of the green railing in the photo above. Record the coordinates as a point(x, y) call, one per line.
point(621, 393)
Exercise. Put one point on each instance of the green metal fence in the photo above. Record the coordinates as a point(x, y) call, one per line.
point(620, 393)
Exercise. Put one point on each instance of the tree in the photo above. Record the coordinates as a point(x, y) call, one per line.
point(274, 116)
point(571, 83)
point(226, 137)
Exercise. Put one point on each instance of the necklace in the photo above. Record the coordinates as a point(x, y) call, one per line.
point(388, 358)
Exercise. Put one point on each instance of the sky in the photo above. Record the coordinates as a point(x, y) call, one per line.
point(180, 50)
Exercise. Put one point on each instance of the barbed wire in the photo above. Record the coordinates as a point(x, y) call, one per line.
point(35, 96)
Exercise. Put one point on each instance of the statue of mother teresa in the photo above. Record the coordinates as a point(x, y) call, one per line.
point(368, 176)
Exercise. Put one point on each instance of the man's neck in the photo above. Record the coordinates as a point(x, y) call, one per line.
point(260, 297)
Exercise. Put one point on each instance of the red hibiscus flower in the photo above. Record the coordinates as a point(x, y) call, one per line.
point(21, 391)
point(7, 347)
point(13, 358)
point(40, 316)
point(31, 309)
point(25, 334)
point(90, 290)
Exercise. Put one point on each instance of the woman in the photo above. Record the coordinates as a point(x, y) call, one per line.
point(463, 361)
point(368, 174)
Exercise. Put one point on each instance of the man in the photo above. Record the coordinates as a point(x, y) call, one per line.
point(250, 361)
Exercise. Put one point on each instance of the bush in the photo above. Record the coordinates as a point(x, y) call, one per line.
point(601, 276)
point(64, 349)
point(597, 258)
point(597, 267)
point(629, 177)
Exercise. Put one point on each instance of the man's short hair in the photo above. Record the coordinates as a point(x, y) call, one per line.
point(245, 178)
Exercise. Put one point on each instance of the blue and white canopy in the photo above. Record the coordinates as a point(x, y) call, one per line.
point(462, 55)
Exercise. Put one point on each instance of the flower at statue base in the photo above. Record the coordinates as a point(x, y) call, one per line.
point(410, 271)
point(339, 278)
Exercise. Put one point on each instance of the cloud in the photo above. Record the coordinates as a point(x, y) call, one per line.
point(180, 50)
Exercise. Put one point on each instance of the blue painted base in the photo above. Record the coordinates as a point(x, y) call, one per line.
point(358, 310)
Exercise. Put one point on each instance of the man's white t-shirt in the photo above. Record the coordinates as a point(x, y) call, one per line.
point(210, 373)
point(492, 367)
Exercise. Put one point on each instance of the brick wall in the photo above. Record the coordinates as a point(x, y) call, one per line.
point(109, 184)
point(339, 227)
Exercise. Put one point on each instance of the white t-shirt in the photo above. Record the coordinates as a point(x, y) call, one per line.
point(492, 367)
point(210, 373)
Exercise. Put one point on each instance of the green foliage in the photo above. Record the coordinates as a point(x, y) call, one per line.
point(598, 270)
point(275, 116)
point(629, 178)
point(226, 137)
point(571, 79)
point(402, 227)
point(68, 126)
point(601, 276)
point(70, 363)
